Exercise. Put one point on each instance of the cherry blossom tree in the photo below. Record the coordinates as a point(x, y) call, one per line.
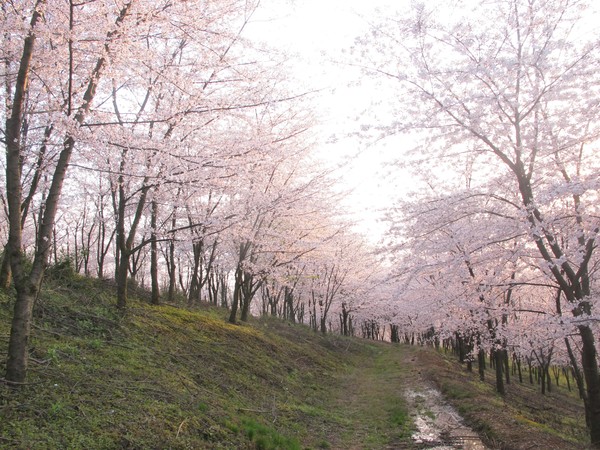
point(277, 208)
point(48, 37)
point(64, 80)
point(515, 85)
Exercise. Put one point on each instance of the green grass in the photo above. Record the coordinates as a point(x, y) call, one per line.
point(170, 377)
point(167, 377)
point(266, 438)
point(370, 406)
point(160, 377)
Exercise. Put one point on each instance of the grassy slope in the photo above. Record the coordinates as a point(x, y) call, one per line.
point(164, 377)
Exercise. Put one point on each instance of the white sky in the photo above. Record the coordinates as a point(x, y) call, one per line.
point(316, 33)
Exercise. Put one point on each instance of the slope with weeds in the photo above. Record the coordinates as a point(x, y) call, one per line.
point(161, 377)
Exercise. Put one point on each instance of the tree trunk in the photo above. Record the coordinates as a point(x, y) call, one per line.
point(125, 243)
point(499, 364)
point(172, 270)
point(122, 274)
point(248, 289)
point(288, 301)
point(481, 364)
point(245, 309)
point(223, 288)
point(460, 348)
point(577, 375)
point(236, 295)
point(506, 365)
point(567, 378)
point(530, 371)
point(16, 364)
point(155, 296)
point(27, 287)
point(5, 271)
point(592, 381)
point(542, 379)
point(194, 294)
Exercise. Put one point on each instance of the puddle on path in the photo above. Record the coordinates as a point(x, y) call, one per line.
point(439, 426)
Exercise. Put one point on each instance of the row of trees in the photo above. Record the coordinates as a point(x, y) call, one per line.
point(149, 140)
point(498, 248)
point(161, 145)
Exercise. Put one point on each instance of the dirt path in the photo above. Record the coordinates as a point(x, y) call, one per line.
point(388, 405)
point(390, 399)
point(371, 397)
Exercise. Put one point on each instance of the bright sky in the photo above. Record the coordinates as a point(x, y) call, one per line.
point(318, 33)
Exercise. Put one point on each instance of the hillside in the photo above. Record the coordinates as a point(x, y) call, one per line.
point(167, 377)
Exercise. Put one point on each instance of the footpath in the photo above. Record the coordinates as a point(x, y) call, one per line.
point(391, 399)
point(388, 404)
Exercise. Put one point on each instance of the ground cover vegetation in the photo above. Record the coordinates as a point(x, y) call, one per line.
point(171, 376)
point(165, 153)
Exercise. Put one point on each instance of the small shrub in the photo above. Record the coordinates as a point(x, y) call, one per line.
point(265, 438)
point(62, 271)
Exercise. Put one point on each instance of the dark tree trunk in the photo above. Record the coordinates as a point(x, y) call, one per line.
point(245, 309)
point(5, 271)
point(223, 288)
point(577, 374)
point(460, 348)
point(344, 321)
point(288, 302)
point(542, 379)
point(592, 380)
point(122, 279)
point(196, 282)
point(481, 364)
point(506, 365)
point(237, 294)
point(246, 296)
point(155, 294)
point(248, 289)
point(125, 243)
point(567, 378)
point(16, 365)
point(499, 364)
point(172, 269)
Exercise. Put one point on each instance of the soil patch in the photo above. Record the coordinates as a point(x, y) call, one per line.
point(439, 424)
